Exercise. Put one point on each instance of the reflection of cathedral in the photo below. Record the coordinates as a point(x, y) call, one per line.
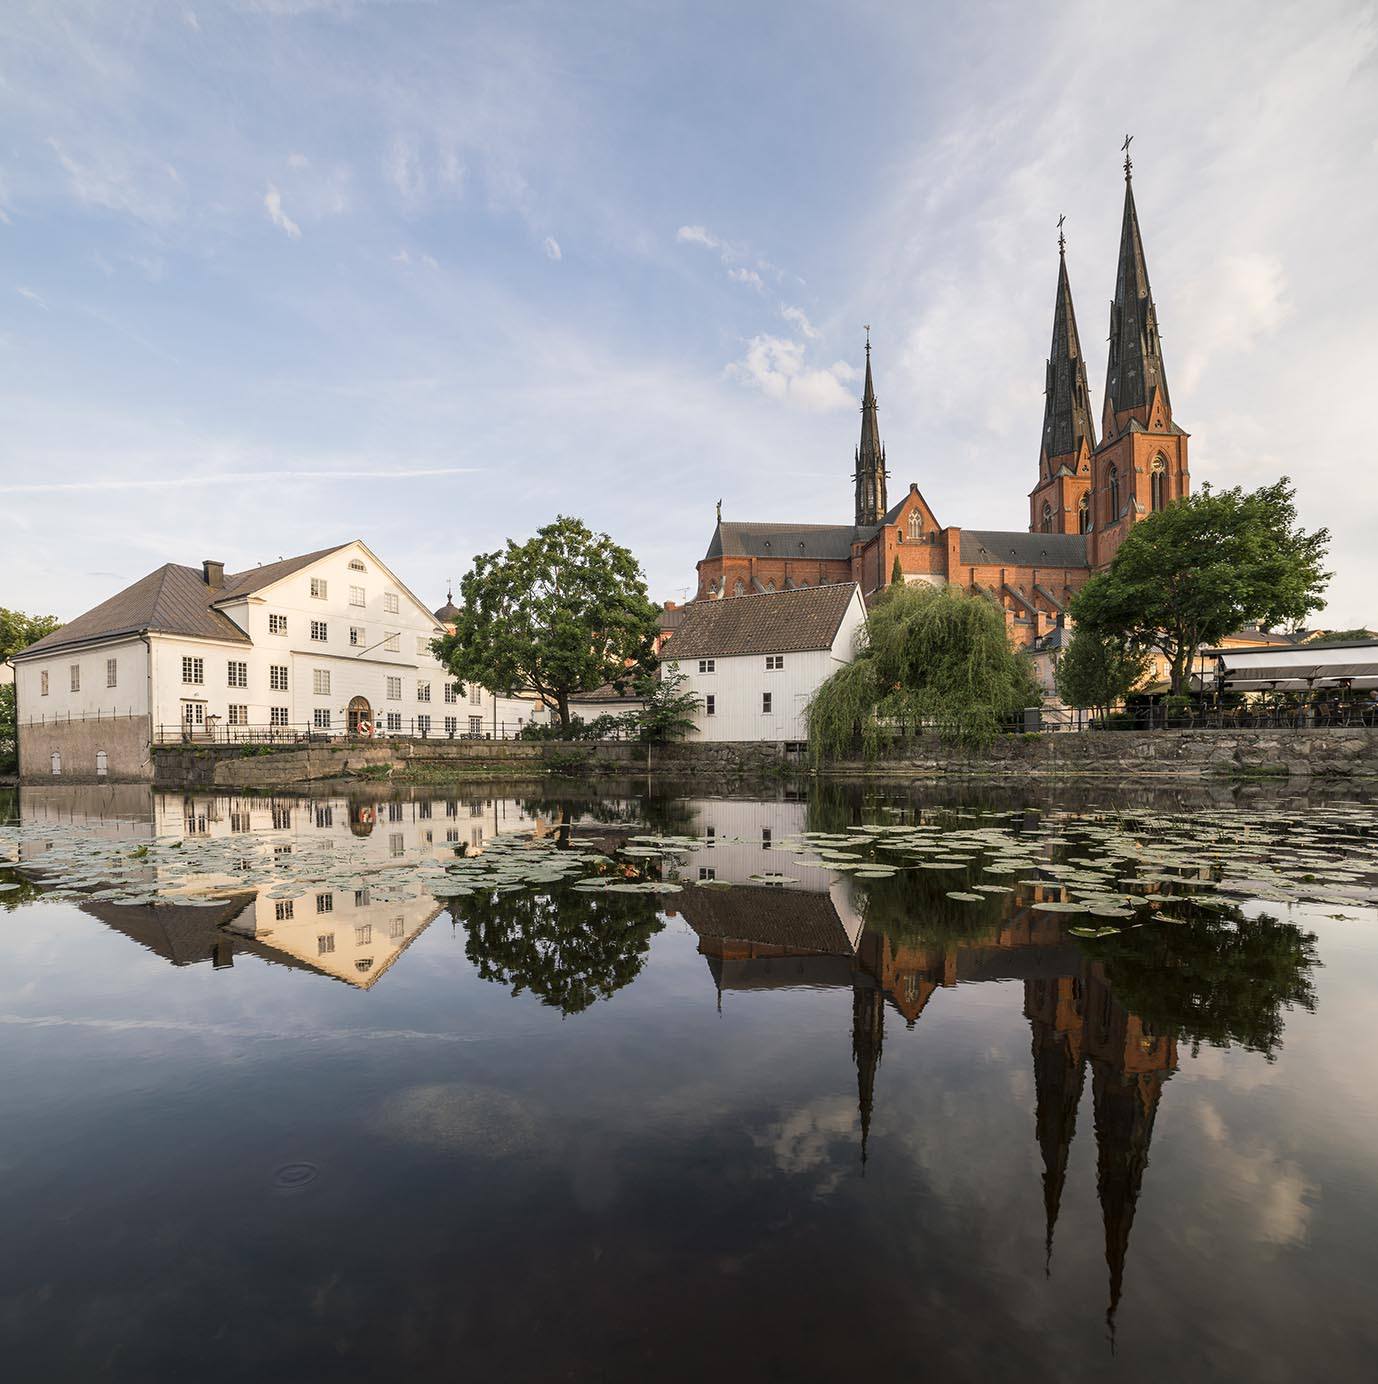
point(746, 937)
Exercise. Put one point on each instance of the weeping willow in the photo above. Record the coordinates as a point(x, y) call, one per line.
point(930, 658)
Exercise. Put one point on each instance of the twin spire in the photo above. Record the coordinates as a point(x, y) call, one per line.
point(870, 456)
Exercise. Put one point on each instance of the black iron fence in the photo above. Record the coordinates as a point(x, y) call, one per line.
point(295, 733)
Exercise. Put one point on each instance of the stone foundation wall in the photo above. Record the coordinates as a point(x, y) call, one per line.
point(124, 739)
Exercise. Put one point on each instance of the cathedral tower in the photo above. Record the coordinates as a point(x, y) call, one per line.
point(1059, 503)
point(870, 457)
point(1141, 464)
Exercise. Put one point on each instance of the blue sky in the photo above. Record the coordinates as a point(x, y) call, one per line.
point(278, 273)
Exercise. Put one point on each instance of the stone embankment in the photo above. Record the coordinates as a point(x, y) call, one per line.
point(1183, 754)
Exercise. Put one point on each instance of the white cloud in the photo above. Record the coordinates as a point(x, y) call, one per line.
point(404, 171)
point(776, 366)
point(1237, 302)
point(190, 20)
point(749, 277)
point(800, 322)
point(31, 296)
point(272, 200)
point(551, 246)
point(698, 235)
point(297, 161)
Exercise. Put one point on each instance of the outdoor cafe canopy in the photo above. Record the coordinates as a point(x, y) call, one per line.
point(1332, 668)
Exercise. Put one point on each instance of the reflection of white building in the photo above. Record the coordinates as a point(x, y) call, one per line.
point(328, 643)
point(755, 661)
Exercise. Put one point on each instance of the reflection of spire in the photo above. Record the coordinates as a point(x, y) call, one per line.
point(1124, 1109)
point(868, 1034)
point(1059, 1074)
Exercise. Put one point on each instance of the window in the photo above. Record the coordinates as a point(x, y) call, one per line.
point(707, 872)
point(1158, 483)
point(1047, 520)
point(451, 725)
point(451, 836)
point(361, 899)
point(710, 840)
point(282, 819)
point(363, 935)
point(320, 718)
point(1113, 483)
point(239, 714)
point(194, 670)
point(475, 695)
point(193, 714)
point(476, 726)
point(423, 646)
point(319, 631)
point(356, 566)
point(364, 964)
point(356, 637)
point(318, 588)
point(394, 686)
point(396, 928)
point(76, 677)
point(112, 672)
point(356, 595)
point(196, 824)
point(394, 812)
point(102, 764)
point(765, 703)
point(237, 673)
point(277, 716)
point(1084, 514)
point(320, 681)
point(765, 838)
point(277, 624)
point(393, 644)
point(774, 662)
point(325, 903)
point(277, 677)
point(390, 602)
point(282, 910)
point(394, 720)
point(915, 524)
point(395, 846)
point(451, 692)
point(325, 944)
point(708, 665)
point(423, 691)
point(423, 811)
point(43, 683)
point(325, 817)
point(710, 707)
point(423, 726)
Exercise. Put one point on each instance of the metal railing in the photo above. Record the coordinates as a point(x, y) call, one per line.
point(300, 732)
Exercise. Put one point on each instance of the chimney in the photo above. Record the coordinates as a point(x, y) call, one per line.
point(213, 572)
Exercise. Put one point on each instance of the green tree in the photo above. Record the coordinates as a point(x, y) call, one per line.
point(17, 631)
point(563, 613)
point(1204, 567)
point(1098, 671)
point(896, 572)
point(927, 656)
point(668, 713)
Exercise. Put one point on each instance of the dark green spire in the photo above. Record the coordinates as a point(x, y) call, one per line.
point(870, 456)
point(1067, 418)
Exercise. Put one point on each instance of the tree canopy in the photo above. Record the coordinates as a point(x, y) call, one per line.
point(18, 630)
point(927, 655)
point(564, 613)
point(1204, 567)
point(1098, 671)
point(668, 713)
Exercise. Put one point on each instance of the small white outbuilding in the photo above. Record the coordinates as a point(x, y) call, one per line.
point(754, 661)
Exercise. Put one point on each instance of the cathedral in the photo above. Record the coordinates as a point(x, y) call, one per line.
point(1087, 495)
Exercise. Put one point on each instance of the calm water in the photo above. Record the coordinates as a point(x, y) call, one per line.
point(318, 1107)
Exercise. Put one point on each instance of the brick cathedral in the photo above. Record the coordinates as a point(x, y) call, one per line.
point(1087, 495)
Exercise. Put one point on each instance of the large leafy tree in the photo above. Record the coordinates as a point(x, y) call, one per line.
point(668, 711)
point(1204, 567)
point(1098, 671)
point(17, 631)
point(563, 613)
point(934, 656)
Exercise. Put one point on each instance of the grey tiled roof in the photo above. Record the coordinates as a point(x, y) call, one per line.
point(172, 600)
point(817, 541)
point(772, 622)
point(992, 548)
point(791, 918)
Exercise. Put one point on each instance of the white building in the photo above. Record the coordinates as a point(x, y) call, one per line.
point(327, 643)
point(755, 661)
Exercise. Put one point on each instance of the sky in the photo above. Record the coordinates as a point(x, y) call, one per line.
point(275, 274)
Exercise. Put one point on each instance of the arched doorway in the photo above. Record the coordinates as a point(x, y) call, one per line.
point(359, 717)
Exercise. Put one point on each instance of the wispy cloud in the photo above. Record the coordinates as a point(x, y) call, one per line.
point(797, 318)
point(749, 277)
point(776, 366)
point(235, 478)
point(32, 296)
point(272, 200)
point(551, 246)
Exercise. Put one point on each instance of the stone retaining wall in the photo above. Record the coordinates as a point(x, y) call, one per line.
point(714, 766)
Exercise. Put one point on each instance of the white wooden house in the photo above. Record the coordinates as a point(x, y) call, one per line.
point(755, 661)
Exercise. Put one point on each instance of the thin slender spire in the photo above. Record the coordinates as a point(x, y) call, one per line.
point(1067, 417)
point(870, 455)
point(1135, 371)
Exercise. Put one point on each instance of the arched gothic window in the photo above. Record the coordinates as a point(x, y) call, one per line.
point(1047, 517)
point(1084, 514)
point(915, 524)
point(1112, 481)
point(1158, 483)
